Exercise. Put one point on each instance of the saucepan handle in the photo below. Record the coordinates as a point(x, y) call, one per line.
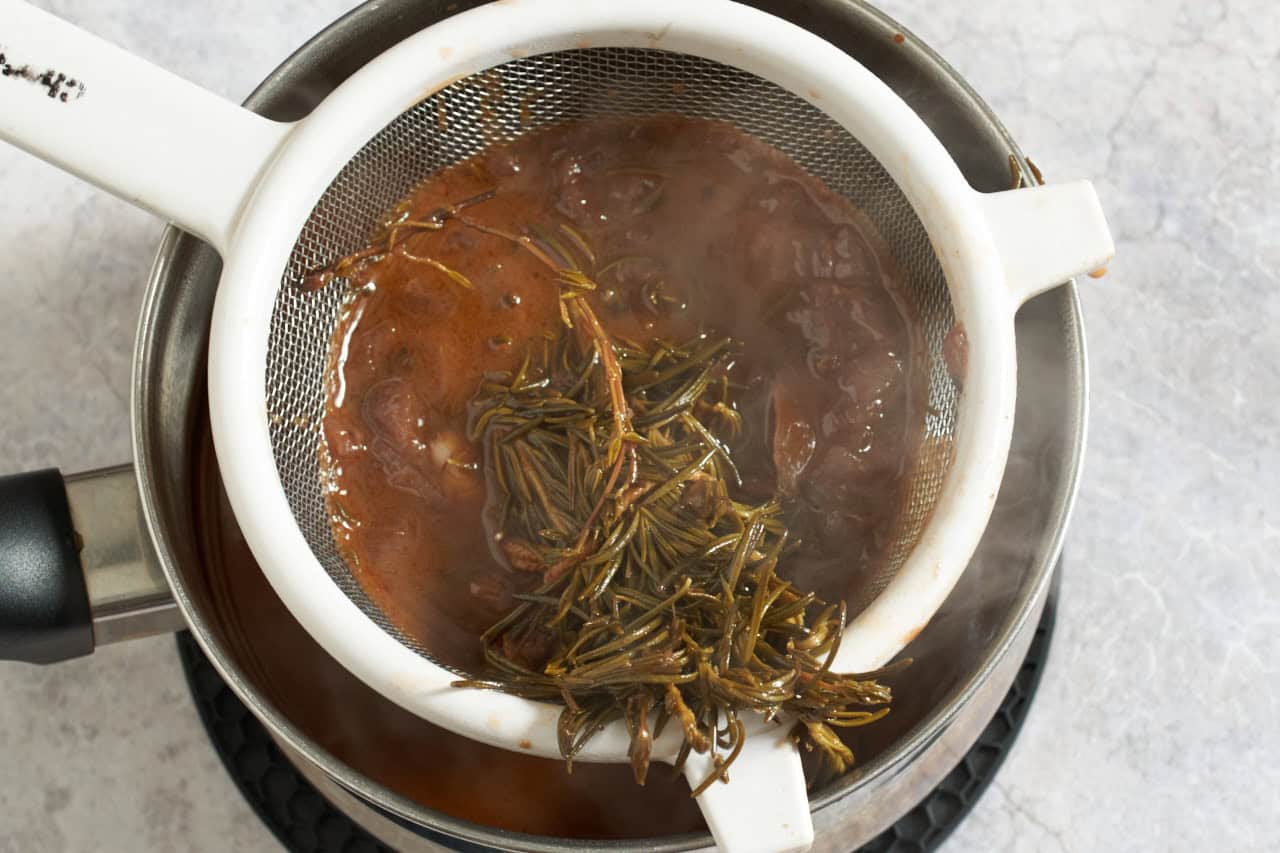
point(1046, 235)
point(135, 130)
point(76, 570)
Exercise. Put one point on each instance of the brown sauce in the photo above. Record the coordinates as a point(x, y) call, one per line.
point(428, 765)
point(694, 227)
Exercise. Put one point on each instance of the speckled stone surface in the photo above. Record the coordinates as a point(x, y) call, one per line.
point(1155, 725)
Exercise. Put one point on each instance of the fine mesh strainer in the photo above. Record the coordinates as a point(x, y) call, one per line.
point(280, 200)
point(526, 94)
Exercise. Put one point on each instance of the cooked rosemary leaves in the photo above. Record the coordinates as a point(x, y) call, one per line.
point(660, 599)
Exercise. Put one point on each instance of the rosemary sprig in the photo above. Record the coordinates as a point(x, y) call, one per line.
point(660, 598)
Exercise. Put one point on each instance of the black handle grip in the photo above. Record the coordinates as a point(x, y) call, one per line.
point(44, 605)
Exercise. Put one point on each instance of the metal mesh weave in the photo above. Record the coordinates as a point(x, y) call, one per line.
point(532, 93)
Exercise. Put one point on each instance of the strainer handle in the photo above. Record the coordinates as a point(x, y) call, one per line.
point(135, 130)
point(1046, 235)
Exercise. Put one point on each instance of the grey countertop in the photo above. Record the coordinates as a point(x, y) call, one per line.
point(1155, 727)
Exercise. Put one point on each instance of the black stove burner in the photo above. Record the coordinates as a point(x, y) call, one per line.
point(305, 822)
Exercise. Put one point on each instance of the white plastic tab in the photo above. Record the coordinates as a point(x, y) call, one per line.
point(1046, 235)
point(764, 807)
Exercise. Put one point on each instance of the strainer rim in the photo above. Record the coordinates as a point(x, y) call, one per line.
point(380, 92)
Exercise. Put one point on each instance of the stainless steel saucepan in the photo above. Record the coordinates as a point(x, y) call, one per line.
point(107, 556)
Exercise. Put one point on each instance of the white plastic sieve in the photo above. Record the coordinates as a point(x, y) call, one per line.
point(278, 200)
